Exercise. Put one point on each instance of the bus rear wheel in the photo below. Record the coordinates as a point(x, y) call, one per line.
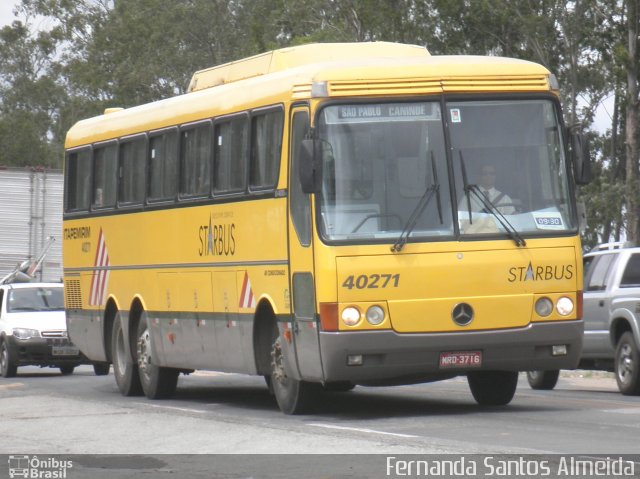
point(293, 396)
point(157, 382)
point(125, 371)
point(493, 388)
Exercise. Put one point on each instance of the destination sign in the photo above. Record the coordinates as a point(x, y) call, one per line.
point(382, 111)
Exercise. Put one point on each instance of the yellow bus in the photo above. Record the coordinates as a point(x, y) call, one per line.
point(318, 215)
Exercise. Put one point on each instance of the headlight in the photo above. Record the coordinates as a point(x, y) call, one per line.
point(24, 333)
point(375, 315)
point(350, 316)
point(544, 307)
point(564, 306)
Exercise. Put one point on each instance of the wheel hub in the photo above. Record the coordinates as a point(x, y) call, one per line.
point(277, 363)
point(144, 351)
point(625, 364)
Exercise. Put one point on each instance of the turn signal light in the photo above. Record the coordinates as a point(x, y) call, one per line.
point(329, 316)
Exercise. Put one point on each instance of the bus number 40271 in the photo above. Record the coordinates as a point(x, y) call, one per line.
point(372, 281)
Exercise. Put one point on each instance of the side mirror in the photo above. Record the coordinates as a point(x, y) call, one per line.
point(307, 170)
point(581, 158)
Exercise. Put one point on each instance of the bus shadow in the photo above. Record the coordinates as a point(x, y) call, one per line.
point(360, 403)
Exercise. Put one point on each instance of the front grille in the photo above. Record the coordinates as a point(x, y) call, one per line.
point(58, 342)
point(58, 333)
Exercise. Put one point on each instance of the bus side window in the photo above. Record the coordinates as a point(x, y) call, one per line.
point(132, 171)
point(266, 145)
point(230, 159)
point(195, 160)
point(78, 180)
point(105, 176)
point(163, 166)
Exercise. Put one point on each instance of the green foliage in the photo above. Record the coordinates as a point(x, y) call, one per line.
point(93, 54)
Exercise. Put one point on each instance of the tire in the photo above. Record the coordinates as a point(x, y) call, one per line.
point(157, 382)
point(7, 368)
point(338, 387)
point(125, 372)
point(493, 388)
point(543, 380)
point(101, 369)
point(67, 370)
point(627, 365)
point(292, 396)
point(267, 380)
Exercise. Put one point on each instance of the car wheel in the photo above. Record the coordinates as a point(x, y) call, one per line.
point(101, 369)
point(125, 371)
point(544, 380)
point(493, 388)
point(7, 368)
point(627, 365)
point(293, 396)
point(157, 382)
point(67, 370)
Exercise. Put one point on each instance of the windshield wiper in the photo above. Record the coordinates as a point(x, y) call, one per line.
point(434, 189)
point(488, 206)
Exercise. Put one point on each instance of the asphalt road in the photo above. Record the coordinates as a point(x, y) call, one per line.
point(44, 412)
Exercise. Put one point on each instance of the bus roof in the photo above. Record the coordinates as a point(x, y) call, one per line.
point(287, 58)
point(313, 71)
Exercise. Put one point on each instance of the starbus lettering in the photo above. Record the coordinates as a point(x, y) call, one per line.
point(217, 239)
point(540, 272)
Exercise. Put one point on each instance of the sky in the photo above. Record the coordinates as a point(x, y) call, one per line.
point(6, 14)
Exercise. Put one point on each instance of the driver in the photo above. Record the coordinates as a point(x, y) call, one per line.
point(486, 183)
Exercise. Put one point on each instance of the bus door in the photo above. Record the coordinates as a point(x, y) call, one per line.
point(305, 324)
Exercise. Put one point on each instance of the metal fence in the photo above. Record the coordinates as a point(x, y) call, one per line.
point(30, 212)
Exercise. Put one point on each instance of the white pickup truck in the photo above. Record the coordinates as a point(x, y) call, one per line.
point(33, 330)
point(611, 318)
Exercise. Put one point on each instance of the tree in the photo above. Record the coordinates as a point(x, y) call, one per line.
point(631, 126)
point(29, 95)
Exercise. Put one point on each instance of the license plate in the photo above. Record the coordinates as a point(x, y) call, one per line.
point(460, 359)
point(64, 351)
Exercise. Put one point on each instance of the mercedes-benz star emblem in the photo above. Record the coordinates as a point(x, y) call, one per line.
point(462, 314)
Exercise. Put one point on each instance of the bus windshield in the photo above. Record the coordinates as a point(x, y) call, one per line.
point(384, 163)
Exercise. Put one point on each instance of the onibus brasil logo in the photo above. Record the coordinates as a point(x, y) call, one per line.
point(38, 468)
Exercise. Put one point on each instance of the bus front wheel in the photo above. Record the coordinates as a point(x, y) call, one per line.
point(293, 396)
point(157, 382)
point(125, 371)
point(493, 388)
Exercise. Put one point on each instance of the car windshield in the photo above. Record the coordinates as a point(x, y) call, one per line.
point(35, 299)
point(388, 173)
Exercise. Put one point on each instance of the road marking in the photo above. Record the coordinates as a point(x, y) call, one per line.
point(626, 410)
point(358, 429)
point(183, 409)
point(12, 386)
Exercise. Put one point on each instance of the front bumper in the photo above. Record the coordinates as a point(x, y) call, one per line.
point(392, 358)
point(43, 352)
